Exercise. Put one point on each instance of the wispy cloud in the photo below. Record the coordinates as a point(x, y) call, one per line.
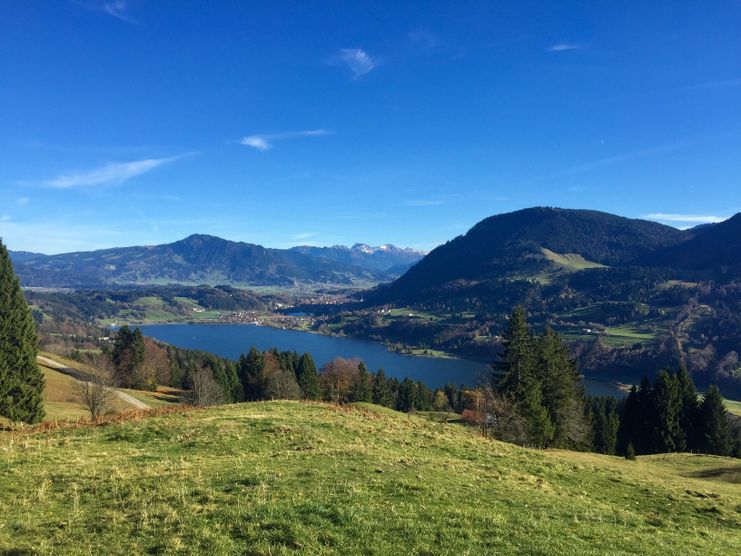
point(22, 201)
point(722, 84)
point(112, 173)
point(265, 141)
point(684, 218)
point(563, 47)
point(356, 59)
point(304, 235)
point(118, 9)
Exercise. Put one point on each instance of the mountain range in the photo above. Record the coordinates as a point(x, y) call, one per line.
point(204, 259)
point(540, 244)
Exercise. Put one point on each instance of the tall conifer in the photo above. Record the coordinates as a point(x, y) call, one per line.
point(21, 380)
point(563, 394)
point(308, 378)
point(714, 433)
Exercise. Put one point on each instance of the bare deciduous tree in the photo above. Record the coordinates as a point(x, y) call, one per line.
point(96, 393)
point(204, 390)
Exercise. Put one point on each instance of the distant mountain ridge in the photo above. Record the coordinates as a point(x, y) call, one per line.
point(538, 243)
point(383, 258)
point(205, 259)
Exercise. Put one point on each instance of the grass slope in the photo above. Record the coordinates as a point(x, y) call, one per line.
point(282, 477)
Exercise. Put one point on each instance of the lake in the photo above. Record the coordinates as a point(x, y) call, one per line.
point(230, 340)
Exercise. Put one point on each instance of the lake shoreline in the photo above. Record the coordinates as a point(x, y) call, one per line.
point(230, 339)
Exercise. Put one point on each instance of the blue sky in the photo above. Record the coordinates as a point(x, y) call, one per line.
point(284, 123)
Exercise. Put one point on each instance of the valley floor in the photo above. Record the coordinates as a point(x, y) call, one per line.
point(283, 477)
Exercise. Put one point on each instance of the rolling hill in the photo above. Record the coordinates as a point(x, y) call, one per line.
point(296, 477)
point(531, 243)
point(204, 259)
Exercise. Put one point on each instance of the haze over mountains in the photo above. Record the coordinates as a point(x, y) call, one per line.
point(536, 244)
point(204, 259)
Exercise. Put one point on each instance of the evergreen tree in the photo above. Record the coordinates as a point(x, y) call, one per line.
point(713, 431)
point(127, 356)
point(514, 370)
point(630, 452)
point(249, 370)
point(21, 380)
point(407, 395)
point(308, 378)
point(423, 400)
point(629, 418)
point(540, 428)
point(605, 424)
point(688, 410)
point(563, 395)
point(644, 435)
point(361, 391)
point(382, 394)
point(515, 377)
point(667, 408)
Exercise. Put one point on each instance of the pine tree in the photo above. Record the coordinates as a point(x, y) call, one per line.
point(514, 371)
point(563, 394)
point(128, 356)
point(629, 420)
point(630, 452)
point(249, 370)
point(714, 433)
point(605, 424)
point(644, 428)
point(308, 378)
point(688, 411)
point(407, 395)
point(668, 406)
point(361, 391)
point(515, 377)
point(382, 394)
point(21, 380)
point(540, 428)
point(423, 400)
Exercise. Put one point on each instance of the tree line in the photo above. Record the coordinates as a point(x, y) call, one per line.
point(536, 398)
point(664, 416)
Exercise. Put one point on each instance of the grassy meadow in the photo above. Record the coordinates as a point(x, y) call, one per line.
point(293, 477)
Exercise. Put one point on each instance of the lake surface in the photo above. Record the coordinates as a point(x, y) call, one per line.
point(230, 340)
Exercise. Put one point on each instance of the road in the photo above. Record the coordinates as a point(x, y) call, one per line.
point(79, 375)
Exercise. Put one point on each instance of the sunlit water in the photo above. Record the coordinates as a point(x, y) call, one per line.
point(230, 340)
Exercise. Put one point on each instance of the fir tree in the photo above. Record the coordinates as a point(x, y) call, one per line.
point(21, 380)
point(667, 408)
point(644, 435)
point(688, 411)
point(515, 377)
point(382, 394)
point(630, 452)
point(540, 428)
point(128, 356)
point(629, 419)
point(514, 370)
point(423, 400)
point(605, 424)
point(714, 433)
point(407, 395)
point(308, 378)
point(563, 395)
point(361, 391)
point(249, 370)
